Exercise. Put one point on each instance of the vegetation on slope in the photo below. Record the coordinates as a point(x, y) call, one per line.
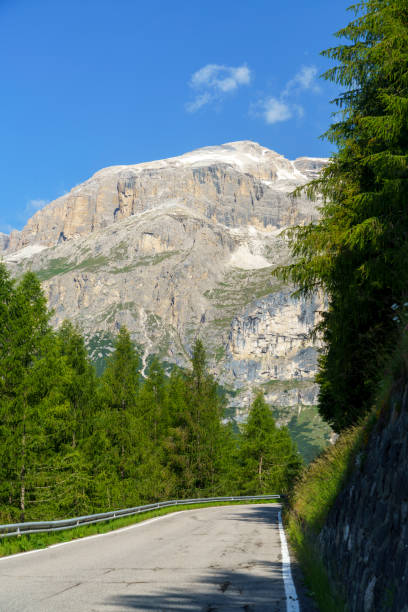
point(309, 432)
point(310, 502)
point(316, 490)
point(72, 442)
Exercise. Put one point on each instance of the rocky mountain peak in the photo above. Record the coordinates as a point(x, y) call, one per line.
point(229, 182)
point(184, 247)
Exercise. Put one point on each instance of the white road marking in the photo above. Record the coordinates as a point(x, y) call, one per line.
point(292, 602)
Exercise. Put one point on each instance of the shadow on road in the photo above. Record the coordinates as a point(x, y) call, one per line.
point(218, 591)
point(259, 514)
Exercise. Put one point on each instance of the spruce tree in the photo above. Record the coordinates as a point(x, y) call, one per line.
point(269, 458)
point(81, 386)
point(152, 402)
point(31, 371)
point(116, 442)
point(195, 444)
point(357, 252)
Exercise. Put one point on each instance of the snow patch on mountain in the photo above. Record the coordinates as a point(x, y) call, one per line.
point(25, 252)
point(244, 259)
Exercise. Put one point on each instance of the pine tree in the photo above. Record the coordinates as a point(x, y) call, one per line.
point(117, 440)
point(357, 252)
point(269, 459)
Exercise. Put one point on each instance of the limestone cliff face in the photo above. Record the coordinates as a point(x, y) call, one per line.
point(180, 247)
point(4, 241)
point(235, 184)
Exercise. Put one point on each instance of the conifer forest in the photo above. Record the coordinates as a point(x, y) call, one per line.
point(72, 442)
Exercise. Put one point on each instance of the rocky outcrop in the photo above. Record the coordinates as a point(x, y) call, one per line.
point(4, 241)
point(365, 540)
point(180, 247)
point(270, 339)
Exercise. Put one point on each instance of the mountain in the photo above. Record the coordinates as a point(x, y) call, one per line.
point(179, 247)
point(4, 241)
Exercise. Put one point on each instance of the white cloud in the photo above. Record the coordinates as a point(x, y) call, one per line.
point(214, 81)
point(275, 111)
point(198, 102)
point(303, 80)
point(281, 108)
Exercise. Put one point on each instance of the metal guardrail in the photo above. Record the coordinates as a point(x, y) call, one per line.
point(16, 529)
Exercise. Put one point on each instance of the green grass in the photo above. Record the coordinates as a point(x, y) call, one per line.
point(92, 264)
point(314, 572)
point(61, 265)
point(146, 260)
point(57, 266)
point(219, 353)
point(16, 544)
point(323, 480)
point(310, 503)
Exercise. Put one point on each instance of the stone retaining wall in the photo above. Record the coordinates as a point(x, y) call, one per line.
point(364, 543)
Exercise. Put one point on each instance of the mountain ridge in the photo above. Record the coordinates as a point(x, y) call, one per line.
point(269, 167)
point(181, 250)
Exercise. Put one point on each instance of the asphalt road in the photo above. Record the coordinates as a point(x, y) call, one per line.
point(211, 559)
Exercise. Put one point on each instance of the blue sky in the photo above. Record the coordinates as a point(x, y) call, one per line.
point(91, 83)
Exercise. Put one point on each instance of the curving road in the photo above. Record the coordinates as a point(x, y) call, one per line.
point(207, 560)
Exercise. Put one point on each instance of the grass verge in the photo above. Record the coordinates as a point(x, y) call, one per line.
point(310, 503)
point(35, 541)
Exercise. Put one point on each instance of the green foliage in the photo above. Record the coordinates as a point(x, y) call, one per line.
point(195, 442)
point(358, 250)
point(316, 490)
point(117, 429)
point(310, 433)
point(80, 388)
point(33, 406)
point(310, 502)
point(270, 461)
point(73, 443)
point(313, 569)
point(61, 265)
point(321, 482)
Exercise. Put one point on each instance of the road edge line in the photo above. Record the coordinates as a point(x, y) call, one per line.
point(292, 601)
